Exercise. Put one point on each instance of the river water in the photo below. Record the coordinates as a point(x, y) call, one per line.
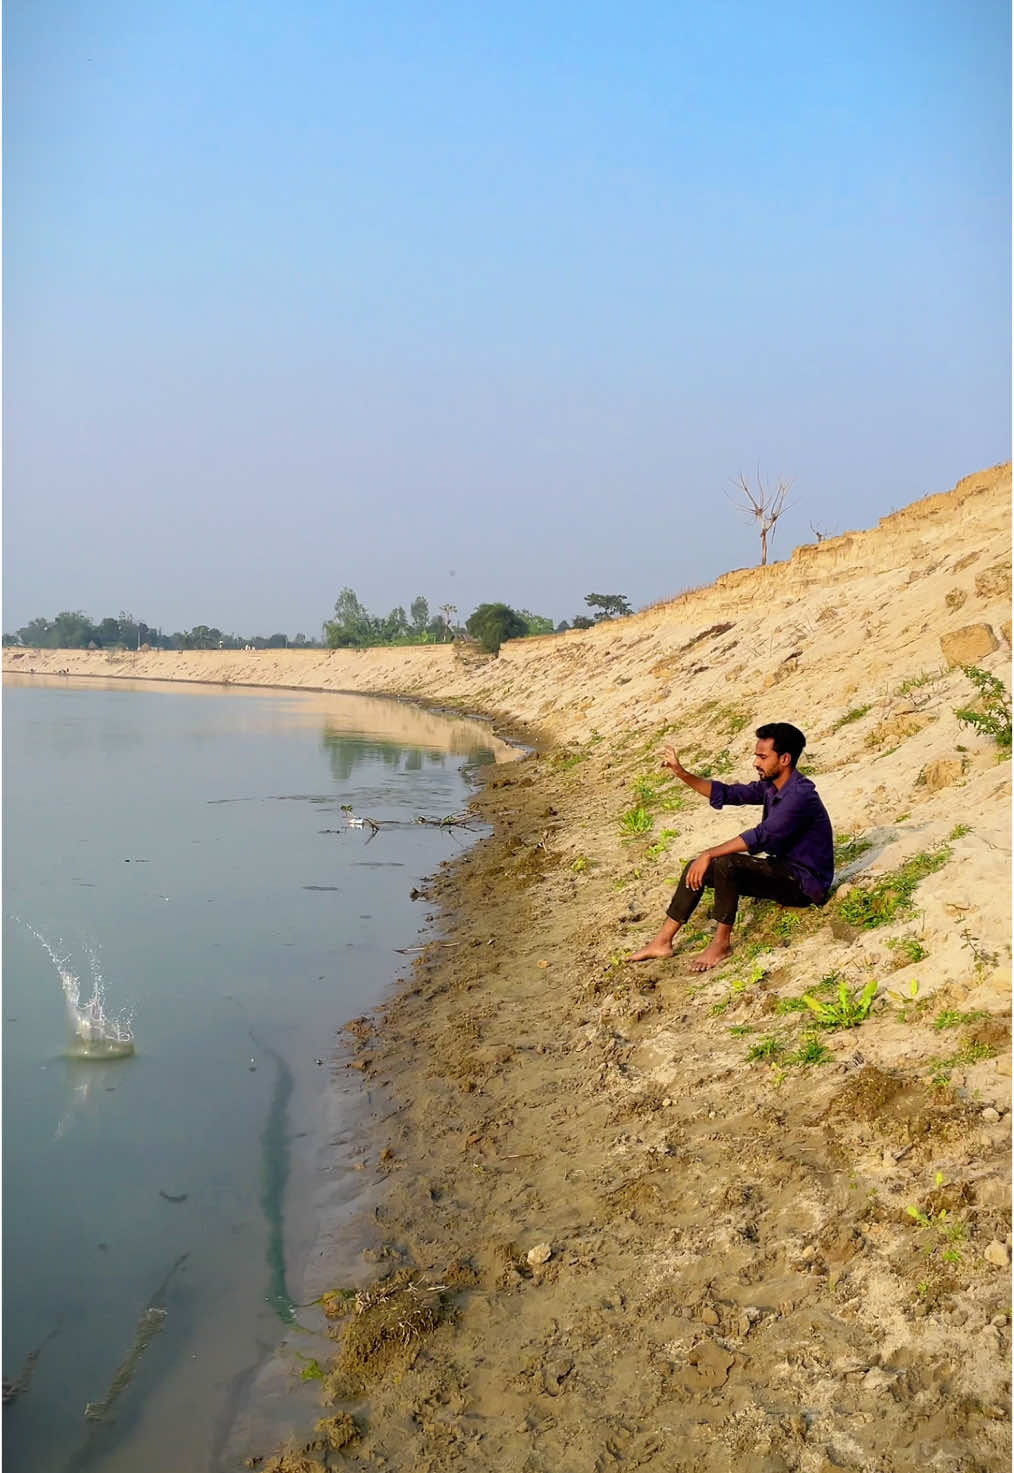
point(179, 864)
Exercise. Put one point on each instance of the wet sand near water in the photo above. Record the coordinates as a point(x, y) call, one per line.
point(622, 1246)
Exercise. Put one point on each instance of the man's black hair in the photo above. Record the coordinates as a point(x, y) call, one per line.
point(786, 738)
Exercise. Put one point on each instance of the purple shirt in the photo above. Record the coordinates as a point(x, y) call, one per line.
point(795, 828)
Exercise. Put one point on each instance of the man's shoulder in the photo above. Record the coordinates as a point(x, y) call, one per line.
point(805, 786)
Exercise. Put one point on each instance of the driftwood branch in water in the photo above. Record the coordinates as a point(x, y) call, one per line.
point(374, 825)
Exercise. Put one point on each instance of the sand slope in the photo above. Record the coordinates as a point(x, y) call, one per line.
point(736, 1277)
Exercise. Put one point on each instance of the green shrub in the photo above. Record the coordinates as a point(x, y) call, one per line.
point(991, 714)
point(493, 624)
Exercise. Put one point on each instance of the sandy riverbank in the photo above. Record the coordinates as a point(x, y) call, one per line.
point(734, 1277)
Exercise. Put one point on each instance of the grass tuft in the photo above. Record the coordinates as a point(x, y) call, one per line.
point(909, 948)
point(890, 897)
point(951, 1018)
point(764, 1048)
point(856, 714)
point(811, 1051)
point(849, 848)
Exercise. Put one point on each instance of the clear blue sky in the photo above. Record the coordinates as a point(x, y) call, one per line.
point(485, 301)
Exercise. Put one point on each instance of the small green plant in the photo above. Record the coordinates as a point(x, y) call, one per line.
point(811, 1051)
point(787, 925)
point(951, 1018)
point(564, 761)
point(740, 1030)
point(856, 714)
point(909, 948)
point(661, 844)
point(848, 848)
point(991, 714)
point(723, 762)
point(959, 831)
point(645, 789)
point(694, 937)
point(945, 1231)
point(580, 865)
point(983, 958)
point(764, 1048)
point(847, 1010)
point(671, 800)
point(890, 896)
point(757, 974)
point(636, 821)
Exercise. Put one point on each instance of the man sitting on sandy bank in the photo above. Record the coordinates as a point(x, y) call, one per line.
point(795, 834)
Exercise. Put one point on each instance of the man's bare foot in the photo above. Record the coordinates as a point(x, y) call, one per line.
point(710, 957)
point(660, 947)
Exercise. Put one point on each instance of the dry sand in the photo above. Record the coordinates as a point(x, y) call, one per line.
point(735, 1276)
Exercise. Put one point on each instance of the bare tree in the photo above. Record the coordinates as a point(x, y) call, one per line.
point(764, 505)
point(817, 533)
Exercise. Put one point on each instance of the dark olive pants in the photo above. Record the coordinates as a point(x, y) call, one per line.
point(734, 875)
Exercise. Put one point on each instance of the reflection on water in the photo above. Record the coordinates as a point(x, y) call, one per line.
point(88, 1079)
point(346, 753)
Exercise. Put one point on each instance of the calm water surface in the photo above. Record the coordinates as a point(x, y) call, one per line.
point(185, 849)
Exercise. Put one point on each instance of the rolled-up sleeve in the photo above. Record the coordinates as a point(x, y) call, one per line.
point(787, 819)
point(734, 794)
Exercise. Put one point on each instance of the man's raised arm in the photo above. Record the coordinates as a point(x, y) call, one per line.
point(700, 785)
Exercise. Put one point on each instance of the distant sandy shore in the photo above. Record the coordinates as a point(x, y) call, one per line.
point(608, 1236)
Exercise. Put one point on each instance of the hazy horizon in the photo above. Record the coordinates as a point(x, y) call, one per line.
point(483, 305)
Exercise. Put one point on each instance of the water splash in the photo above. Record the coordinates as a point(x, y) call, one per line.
point(94, 1035)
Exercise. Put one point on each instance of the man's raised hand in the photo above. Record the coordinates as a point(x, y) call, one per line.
point(671, 760)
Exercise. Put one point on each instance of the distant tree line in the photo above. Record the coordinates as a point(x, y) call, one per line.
point(490, 625)
point(74, 630)
point(353, 627)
